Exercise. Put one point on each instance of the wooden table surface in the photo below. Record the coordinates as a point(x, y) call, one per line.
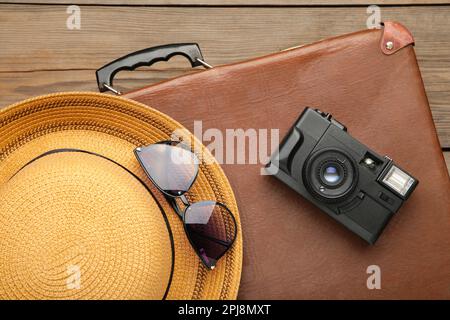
point(39, 54)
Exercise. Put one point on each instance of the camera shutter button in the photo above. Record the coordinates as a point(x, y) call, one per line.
point(323, 114)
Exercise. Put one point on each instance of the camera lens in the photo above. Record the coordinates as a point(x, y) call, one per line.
point(330, 175)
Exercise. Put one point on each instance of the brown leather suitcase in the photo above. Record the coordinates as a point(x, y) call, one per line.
point(369, 81)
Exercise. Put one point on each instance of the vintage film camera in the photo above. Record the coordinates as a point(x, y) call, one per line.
point(350, 182)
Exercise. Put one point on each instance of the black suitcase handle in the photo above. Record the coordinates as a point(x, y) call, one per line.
point(147, 57)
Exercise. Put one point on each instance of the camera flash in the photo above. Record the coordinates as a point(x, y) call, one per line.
point(398, 180)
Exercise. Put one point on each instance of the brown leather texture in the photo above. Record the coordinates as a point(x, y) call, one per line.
point(292, 250)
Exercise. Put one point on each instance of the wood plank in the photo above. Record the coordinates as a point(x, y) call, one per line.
point(225, 34)
point(436, 77)
point(447, 159)
point(17, 86)
point(232, 2)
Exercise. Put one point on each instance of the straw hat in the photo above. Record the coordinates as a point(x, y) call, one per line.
point(85, 222)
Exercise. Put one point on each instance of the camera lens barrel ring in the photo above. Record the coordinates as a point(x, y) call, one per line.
point(330, 175)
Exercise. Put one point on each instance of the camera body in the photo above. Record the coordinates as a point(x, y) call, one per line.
point(350, 182)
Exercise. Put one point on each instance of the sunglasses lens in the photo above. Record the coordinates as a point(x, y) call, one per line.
point(211, 228)
point(172, 168)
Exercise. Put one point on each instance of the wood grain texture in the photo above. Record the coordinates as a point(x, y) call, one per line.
point(447, 159)
point(40, 55)
point(232, 2)
point(23, 85)
point(36, 37)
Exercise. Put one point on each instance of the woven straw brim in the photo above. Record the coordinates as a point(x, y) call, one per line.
point(112, 127)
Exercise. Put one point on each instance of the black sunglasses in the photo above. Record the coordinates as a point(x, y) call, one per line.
point(209, 225)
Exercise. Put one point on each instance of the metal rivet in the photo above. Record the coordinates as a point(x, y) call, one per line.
point(389, 45)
